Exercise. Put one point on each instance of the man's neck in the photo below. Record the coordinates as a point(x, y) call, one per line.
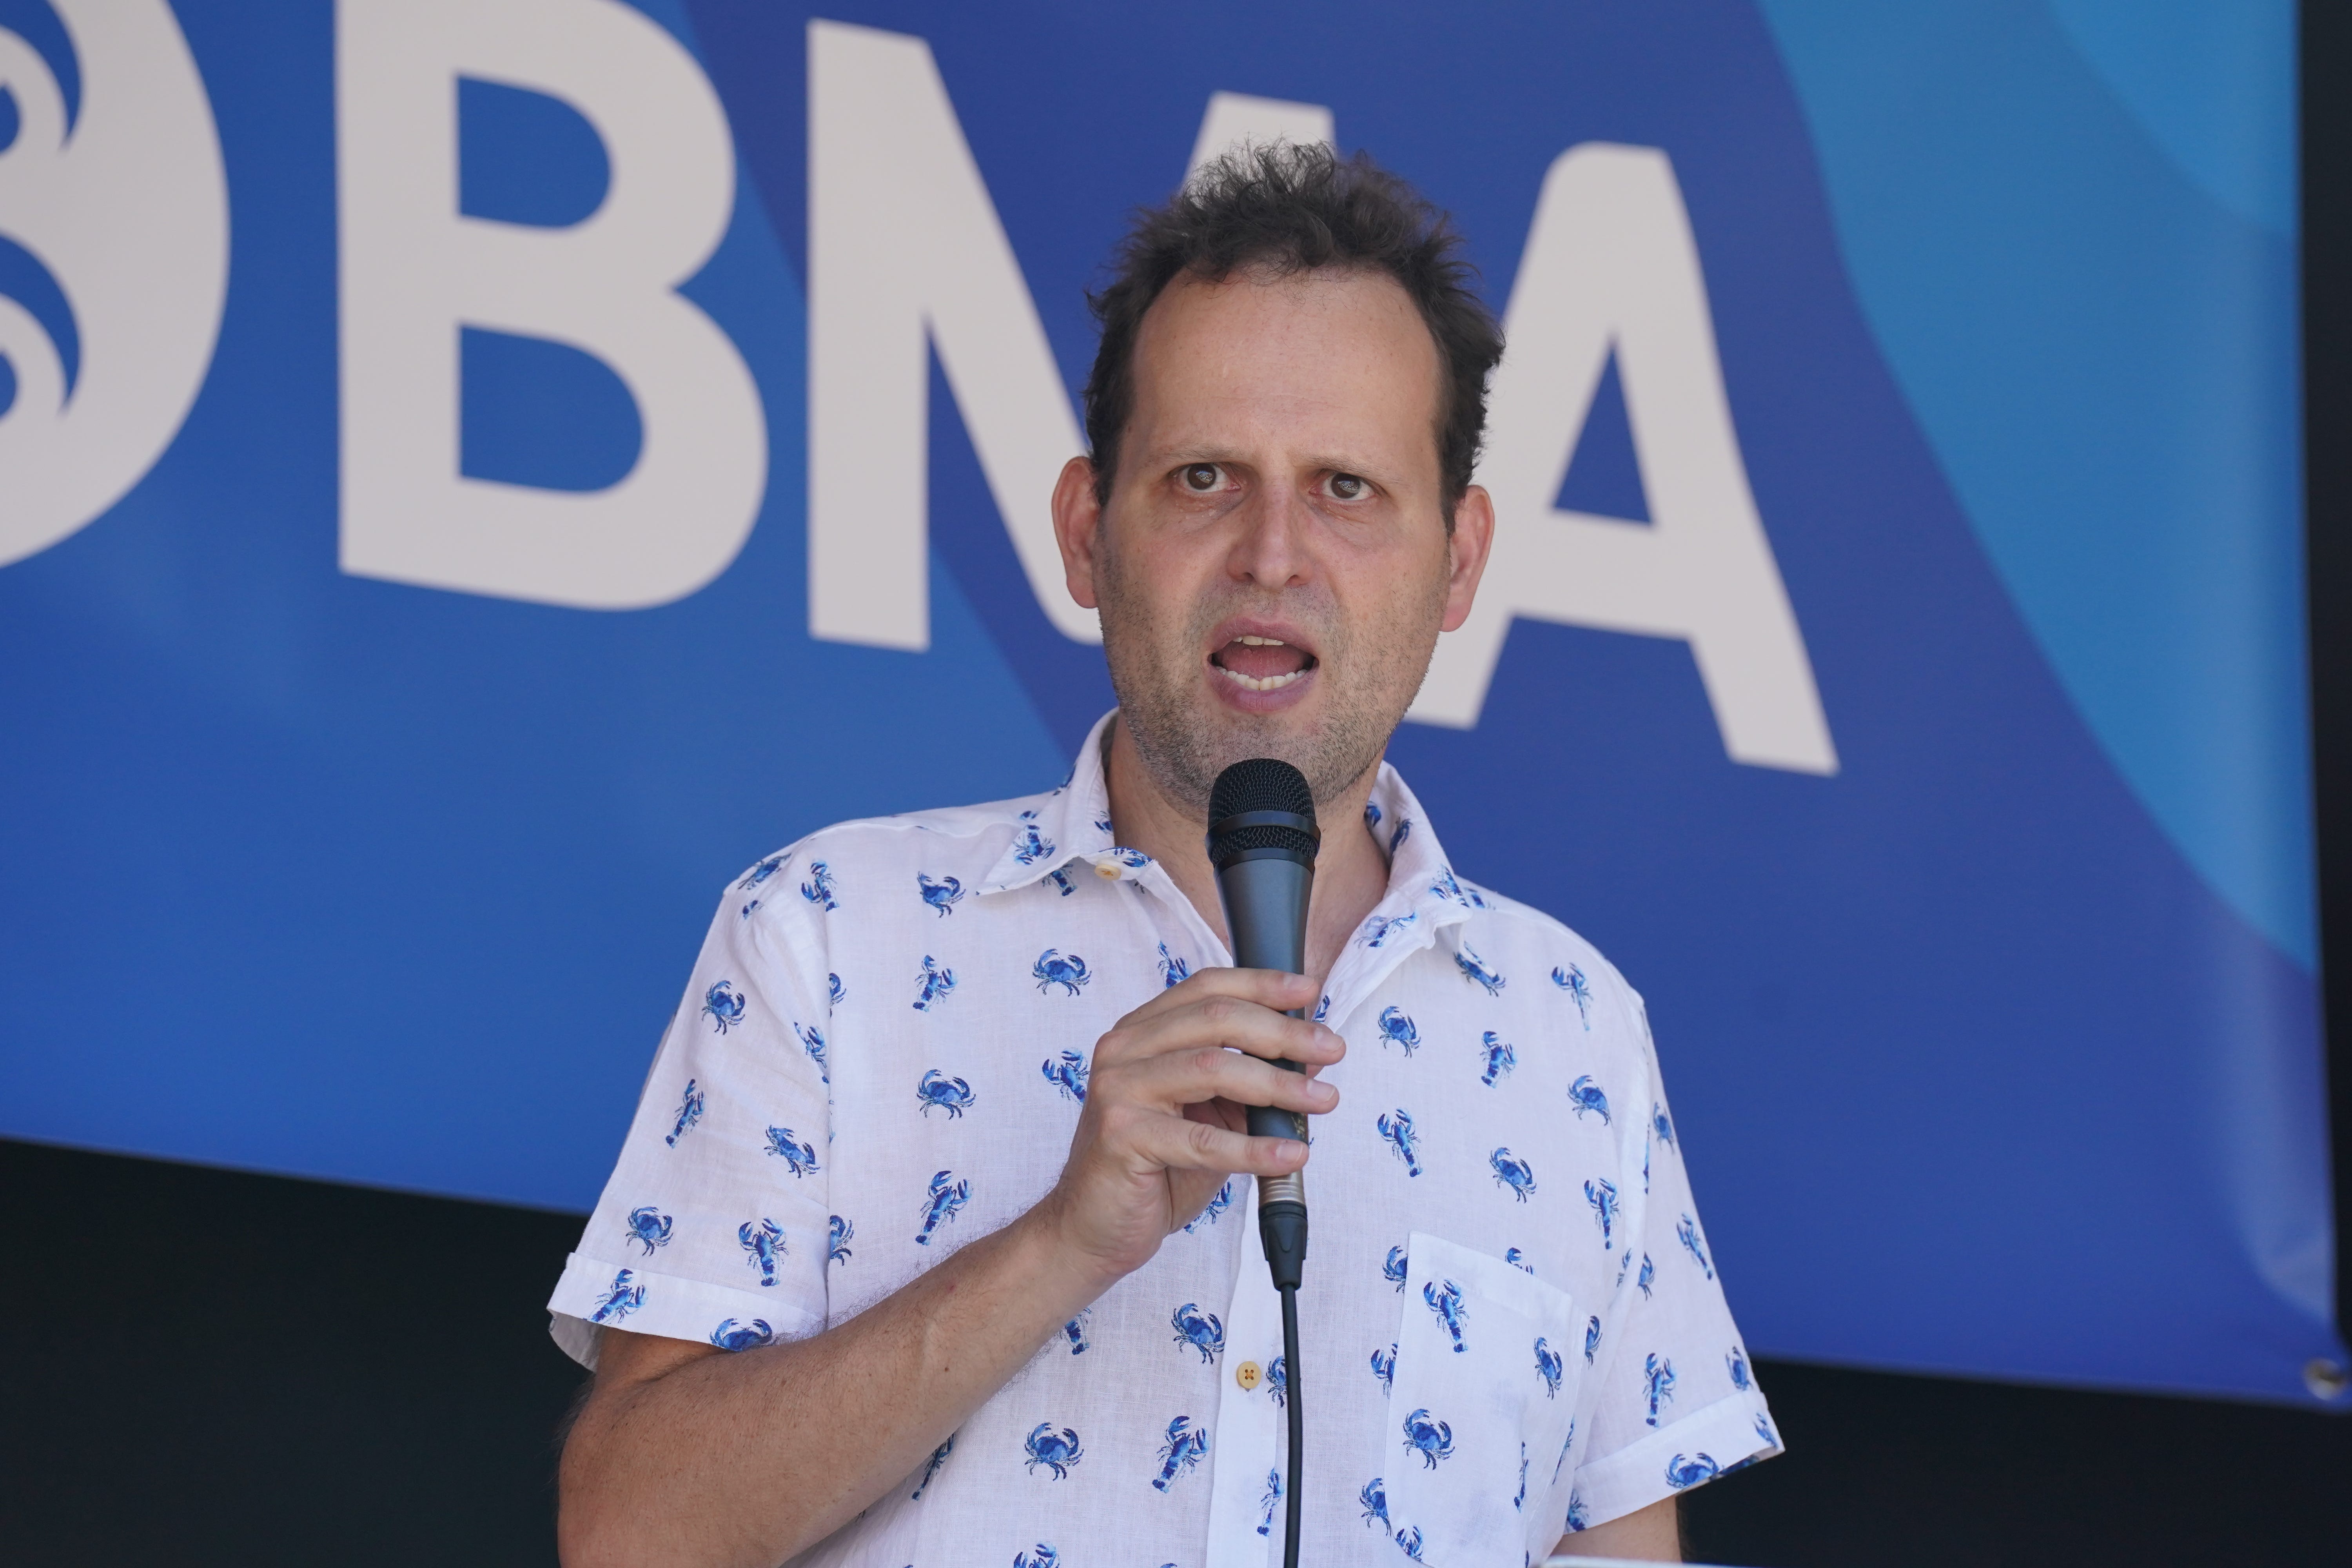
point(1351, 874)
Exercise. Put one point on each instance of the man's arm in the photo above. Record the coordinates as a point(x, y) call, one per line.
point(683, 1453)
point(1652, 1535)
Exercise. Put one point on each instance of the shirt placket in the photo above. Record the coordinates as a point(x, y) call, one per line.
point(1250, 1426)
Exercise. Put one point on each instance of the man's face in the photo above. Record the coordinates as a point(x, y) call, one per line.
point(1273, 566)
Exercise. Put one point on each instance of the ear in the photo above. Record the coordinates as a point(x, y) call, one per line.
point(1077, 515)
point(1474, 536)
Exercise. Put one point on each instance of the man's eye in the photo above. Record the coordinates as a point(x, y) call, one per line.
point(1200, 477)
point(1347, 486)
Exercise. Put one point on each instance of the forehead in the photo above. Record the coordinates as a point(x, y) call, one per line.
point(1330, 358)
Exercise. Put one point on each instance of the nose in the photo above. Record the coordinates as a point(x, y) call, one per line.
point(1270, 548)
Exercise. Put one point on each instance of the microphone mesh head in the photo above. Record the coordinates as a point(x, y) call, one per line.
point(1261, 783)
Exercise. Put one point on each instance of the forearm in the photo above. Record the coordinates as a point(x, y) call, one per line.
point(748, 1458)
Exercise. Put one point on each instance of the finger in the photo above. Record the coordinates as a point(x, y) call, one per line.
point(1174, 1143)
point(1187, 1077)
point(1269, 988)
point(1227, 1021)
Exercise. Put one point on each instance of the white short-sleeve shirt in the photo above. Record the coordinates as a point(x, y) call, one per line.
point(1511, 1325)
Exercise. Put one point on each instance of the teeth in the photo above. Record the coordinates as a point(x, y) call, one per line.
point(1258, 683)
point(1261, 642)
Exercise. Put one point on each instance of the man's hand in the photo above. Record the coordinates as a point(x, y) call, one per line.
point(1163, 1125)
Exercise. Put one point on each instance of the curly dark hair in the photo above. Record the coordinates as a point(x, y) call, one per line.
point(1289, 208)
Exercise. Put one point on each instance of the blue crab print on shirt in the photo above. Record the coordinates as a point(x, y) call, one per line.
point(1549, 1366)
point(1394, 1267)
point(1648, 1275)
point(731, 1335)
point(1397, 1028)
point(1431, 1439)
point(1736, 1364)
point(1513, 1172)
point(1764, 1430)
point(1579, 990)
point(761, 873)
point(690, 1112)
point(1584, 1095)
point(1039, 1556)
point(1384, 1368)
point(1409, 1542)
point(1686, 1232)
point(1374, 1499)
point(748, 908)
point(838, 1233)
point(932, 985)
point(1474, 969)
point(1602, 1194)
point(1133, 859)
point(648, 1227)
point(939, 1457)
point(941, 895)
point(1219, 1202)
point(1591, 1338)
point(1518, 1259)
point(1322, 1008)
point(1029, 848)
point(1278, 1381)
point(1683, 1473)
point(1445, 1300)
point(941, 1203)
point(836, 993)
point(1380, 928)
point(1200, 1330)
point(1657, 1383)
point(812, 1041)
point(624, 1296)
point(1182, 1451)
point(1075, 1330)
point(1053, 969)
point(795, 1151)
point(818, 889)
point(1398, 1130)
point(937, 1091)
point(1663, 1126)
point(1500, 1058)
point(1067, 1073)
point(1269, 1500)
point(1056, 1450)
point(1446, 888)
point(723, 1005)
point(764, 1242)
point(1578, 1519)
point(1172, 969)
point(1396, 839)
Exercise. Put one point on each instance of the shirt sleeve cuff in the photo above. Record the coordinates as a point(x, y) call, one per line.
point(595, 1293)
point(1725, 1436)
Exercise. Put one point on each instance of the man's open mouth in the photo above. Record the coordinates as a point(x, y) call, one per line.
point(1261, 664)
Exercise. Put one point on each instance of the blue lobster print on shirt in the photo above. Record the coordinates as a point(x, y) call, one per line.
point(1172, 969)
point(1578, 1518)
point(1513, 1172)
point(732, 1336)
point(1396, 1028)
point(649, 1228)
point(1520, 1496)
point(1052, 969)
point(794, 1151)
point(1686, 1232)
point(941, 895)
point(1380, 928)
point(1648, 1275)
point(1398, 1130)
point(838, 1233)
point(1219, 1202)
point(1056, 1450)
point(1200, 1330)
point(1518, 1259)
point(690, 1112)
point(836, 993)
point(1549, 1366)
point(723, 1005)
point(1446, 888)
point(1182, 1451)
point(764, 1242)
point(1572, 980)
point(1602, 1194)
point(813, 1042)
point(1061, 881)
point(1657, 1383)
point(933, 984)
point(1396, 839)
point(1041, 1556)
point(1584, 1095)
point(1431, 1439)
point(1266, 1501)
point(1591, 1338)
point(1500, 1058)
point(937, 1091)
point(1445, 1300)
point(818, 888)
point(1075, 1330)
point(1394, 1267)
point(1409, 1542)
point(624, 1296)
point(1067, 1073)
point(1682, 1473)
point(941, 1203)
point(761, 873)
point(1384, 1368)
point(1474, 969)
point(939, 1457)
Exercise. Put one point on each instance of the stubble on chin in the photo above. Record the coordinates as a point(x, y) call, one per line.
point(1186, 737)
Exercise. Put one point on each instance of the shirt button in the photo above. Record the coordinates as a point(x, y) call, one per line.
point(1247, 1375)
point(1109, 868)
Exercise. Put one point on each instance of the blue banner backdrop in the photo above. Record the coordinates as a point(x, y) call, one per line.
point(414, 610)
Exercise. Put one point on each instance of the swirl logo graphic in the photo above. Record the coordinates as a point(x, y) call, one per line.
point(113, 258)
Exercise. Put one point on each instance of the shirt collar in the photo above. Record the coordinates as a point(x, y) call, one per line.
point(1069, 823)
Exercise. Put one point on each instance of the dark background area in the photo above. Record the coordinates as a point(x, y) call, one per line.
point(217, 1367)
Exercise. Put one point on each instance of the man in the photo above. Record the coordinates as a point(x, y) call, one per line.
point(946, 1143)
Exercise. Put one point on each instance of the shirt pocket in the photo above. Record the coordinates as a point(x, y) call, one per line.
point(1480, 1407)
